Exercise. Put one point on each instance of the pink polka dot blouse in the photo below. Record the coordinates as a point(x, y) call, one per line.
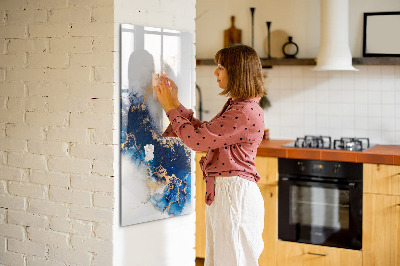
point(231, 139)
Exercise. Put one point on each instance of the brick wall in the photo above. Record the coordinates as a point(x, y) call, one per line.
point(56, 132)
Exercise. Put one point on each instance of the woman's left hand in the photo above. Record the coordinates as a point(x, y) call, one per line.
point(163, 92)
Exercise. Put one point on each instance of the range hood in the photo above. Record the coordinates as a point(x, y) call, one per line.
point(334, 51)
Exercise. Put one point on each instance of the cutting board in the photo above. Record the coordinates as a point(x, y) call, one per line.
point(232, 35)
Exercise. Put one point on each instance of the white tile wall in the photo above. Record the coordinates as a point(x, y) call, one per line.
point(338, 104)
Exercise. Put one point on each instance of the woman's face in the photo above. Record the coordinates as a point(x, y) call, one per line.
point(222, 76)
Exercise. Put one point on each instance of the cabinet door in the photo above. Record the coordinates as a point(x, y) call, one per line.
point(270, 233)
point(267, 168)
point(381, 230)
point(381, 179)
point(297, 254)
point(200, 209)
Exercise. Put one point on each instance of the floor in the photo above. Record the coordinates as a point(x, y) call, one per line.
point(199, 262)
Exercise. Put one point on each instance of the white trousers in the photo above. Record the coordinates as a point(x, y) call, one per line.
point(234, 223)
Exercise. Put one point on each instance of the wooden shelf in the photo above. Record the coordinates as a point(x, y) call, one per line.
point(312, 61)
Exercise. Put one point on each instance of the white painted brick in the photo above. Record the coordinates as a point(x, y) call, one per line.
point(48, 30)
point(104, 121)
point(70, 165)
point(47, 119)
point(75, 74)
point(13, 31)
point(29, 16)
point(103, 231)
point(12, 117)
point(3, 188)
point(53, 60)
point(49, 4)
point(47, 147)
point(92, 29)
point(103, 259)
point(67, 134)
point(69, 256)
point(99, 246)
point(103, 200)
point(103, 136)
point(9, 173)
point(71, 44)
point(36, 261)
point(103, 168)
point(27, 247)
point(10, 60)
point(103, 74)
point(24, 132)
point(90, 90)
point(12, 202)
point(93, 183)
point(92, 3)
point(20, 46)
point(28, 219)
point(75, 196)
point(27, 160)
point(3, 245)
point(47, 207)
point(27, 190)
point(12, 259)
point(2, 74)
point(12, 230)
point(48, 237)
point(93, 151)
point(12, 4)
point(91, 214)
point(3, 158)
point(96, 59)
point(81, 105)
point(26, 74)
point(27, 104)
point(48, 88)
point(103, 44)
point(49, 178)
point(103, 14)
point(3, 213)
point(68, 15)
point(71, 226)
point(12, 89)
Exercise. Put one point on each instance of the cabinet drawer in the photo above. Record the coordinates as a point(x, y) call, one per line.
point(381, 179)
point(293, 254)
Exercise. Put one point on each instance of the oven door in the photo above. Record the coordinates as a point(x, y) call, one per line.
point(321, 212)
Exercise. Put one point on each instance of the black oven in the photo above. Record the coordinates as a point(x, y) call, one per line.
point(320, 202)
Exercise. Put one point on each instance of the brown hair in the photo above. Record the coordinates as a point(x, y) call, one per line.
point(245, 78)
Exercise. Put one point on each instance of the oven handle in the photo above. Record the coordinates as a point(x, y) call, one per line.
point(297, 181)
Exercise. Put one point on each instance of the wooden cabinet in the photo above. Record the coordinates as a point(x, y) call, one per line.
point(381, 179)
point(298, 254)
point(268, 169)
point(200, 209)
point(381, 215)
point(381, 230)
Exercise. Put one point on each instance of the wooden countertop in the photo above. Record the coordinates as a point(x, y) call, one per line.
point(379, 154)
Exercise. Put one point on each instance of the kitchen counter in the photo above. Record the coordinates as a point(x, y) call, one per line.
point(379, 154)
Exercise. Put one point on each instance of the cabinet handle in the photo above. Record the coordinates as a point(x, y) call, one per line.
point(318, 254)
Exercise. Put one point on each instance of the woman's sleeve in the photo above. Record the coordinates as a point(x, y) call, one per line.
point(223, 131)
point(188, 114)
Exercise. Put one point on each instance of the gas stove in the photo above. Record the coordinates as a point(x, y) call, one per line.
point(325, 142)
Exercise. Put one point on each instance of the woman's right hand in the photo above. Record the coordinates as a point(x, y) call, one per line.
point(174, 90)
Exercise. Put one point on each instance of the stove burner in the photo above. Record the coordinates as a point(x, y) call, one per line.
point(351, 144)
point(308, 141)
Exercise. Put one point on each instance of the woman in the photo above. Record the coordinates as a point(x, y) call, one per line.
point(235, 207)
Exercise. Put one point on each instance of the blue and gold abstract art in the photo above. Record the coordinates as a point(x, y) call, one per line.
point(155, 171)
